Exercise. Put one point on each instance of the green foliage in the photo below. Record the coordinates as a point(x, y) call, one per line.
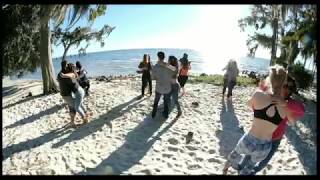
point(79, 34)
point(302, 76)
point(21, 41)
point(295, 22)
point(218, 80)
point(69, 38)
point(261, 16)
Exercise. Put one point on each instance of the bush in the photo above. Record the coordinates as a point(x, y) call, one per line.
point(218, 80)
point(302, 76)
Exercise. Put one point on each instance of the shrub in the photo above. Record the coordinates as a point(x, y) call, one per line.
point(218, 80)
point(302, 76)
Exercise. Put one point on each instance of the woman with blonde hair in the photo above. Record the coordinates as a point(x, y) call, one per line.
point(268, 114)
point(230, 77)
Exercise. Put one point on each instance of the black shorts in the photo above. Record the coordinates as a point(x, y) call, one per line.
point(182, 80)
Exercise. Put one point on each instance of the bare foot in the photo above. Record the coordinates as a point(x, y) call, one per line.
point(73, 124)
point(225, 169)
point(89, 113)
point(86, 119)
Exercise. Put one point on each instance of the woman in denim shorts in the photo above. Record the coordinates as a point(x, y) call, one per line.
point(269, 110)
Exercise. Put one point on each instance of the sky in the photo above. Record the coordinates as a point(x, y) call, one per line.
point(210, 29)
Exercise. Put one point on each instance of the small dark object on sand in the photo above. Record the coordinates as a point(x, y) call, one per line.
point(29, 94)
point(195, 104)
point(189, 137)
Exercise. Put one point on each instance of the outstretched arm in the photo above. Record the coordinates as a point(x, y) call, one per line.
point(225, 68)
point(68, 75)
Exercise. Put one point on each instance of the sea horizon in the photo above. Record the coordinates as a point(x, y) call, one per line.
point(125, 61)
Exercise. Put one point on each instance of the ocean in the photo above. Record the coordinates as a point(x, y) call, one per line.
point(123, 62)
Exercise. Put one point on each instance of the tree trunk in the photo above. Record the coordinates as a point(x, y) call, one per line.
point(283, 53)
point(314, 65)
point(305, 62)
point(274, 36)
point(293, 52)
point(65, 52)
point(48, 76)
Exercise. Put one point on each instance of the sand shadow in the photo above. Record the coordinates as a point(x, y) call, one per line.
point(310, 117)
point(35, 117)
point(25, 99)
point(96, 124)
point(33, 143)
point(137, 144)
point(10, 90)
point(307, 153)
point(7, 91)
point(231, 132)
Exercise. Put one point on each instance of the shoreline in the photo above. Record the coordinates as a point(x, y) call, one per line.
point(307, 94)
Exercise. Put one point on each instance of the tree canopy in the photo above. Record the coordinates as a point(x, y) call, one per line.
point(20, 45)
point(79, 34)
point(291, 25)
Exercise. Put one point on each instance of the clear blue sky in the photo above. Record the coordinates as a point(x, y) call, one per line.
point(211, 29)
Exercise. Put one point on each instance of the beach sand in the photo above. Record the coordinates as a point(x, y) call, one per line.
point(121, 138)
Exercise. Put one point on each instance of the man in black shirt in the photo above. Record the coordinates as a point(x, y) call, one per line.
point(66, 85)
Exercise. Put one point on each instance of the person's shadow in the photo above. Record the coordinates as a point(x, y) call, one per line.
point(35, 117)
point(307, 153)
point(231, 132)
point(97, 124)
point(33, 143)
point(136, 145)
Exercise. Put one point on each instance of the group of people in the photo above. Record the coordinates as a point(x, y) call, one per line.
point(273, 108)
point(74, 85)
point(272, 104)
point(169, 79)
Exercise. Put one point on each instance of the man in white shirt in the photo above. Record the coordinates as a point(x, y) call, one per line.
point(162, 75)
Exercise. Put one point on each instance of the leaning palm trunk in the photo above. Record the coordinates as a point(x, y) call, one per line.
point(293, 52)
point(273, 45)
point(65, 53)
point(274, 35)
point(49, 83)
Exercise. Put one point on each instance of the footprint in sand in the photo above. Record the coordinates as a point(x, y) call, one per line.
point(192, 154)
point(146, 171)
point(214, 160)
point(173, 141)
point(290, 160)
point(281, 150)
point(194, 167)
point(167, 155)
point(173, 149)
point(191, 148)
point(199, 159)
point(269, 166)
point(212, 151)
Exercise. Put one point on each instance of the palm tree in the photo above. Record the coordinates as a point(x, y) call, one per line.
point(274, 25)
point(262, 15)
point(57, 13)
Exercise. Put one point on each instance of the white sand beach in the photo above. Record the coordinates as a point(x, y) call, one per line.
point(121, 138)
